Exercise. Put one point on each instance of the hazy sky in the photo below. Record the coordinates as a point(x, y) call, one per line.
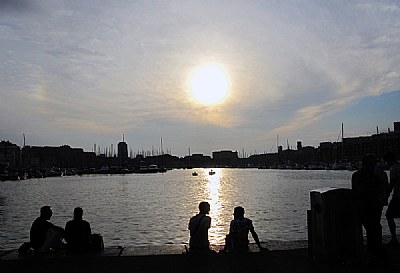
point(86, 72)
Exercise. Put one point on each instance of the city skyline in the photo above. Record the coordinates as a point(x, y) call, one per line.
point(84, 73)
point(115, 149)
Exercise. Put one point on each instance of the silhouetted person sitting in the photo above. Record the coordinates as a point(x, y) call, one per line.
point(45, 236)
point(198, 226)
point(370, 185)
point(77, 233)
point(239, 231)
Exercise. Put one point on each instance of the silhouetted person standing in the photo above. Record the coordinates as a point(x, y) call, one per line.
point(198, 226)
point(77, 233)
point(45, 235)
point(369, 185)
point(239, 232)
point(393, 210)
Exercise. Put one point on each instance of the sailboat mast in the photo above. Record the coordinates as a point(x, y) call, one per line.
point(277, 149)
point(342, 142)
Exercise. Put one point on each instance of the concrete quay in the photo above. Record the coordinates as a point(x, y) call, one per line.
point(282, 257)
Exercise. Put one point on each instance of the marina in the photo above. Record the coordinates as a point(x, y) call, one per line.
point(154, 209)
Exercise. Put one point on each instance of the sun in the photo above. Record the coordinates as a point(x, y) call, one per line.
point(209, 84)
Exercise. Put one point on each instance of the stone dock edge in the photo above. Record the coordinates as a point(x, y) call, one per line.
point(282, 256)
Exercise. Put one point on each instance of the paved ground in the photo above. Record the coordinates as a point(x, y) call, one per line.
point(283, 257)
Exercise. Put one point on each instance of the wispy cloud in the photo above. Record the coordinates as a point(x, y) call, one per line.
point(119, 66)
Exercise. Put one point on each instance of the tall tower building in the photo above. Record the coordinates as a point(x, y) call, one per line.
point(122, 151)
point(299, 145)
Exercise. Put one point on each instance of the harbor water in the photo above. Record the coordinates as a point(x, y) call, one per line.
point(154, 209)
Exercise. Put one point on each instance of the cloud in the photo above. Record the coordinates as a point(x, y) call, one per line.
point(115, 66)
point(311, 114)
point(16, 5)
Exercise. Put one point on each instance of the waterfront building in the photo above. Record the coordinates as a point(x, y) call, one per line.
point(122, 153)
point(354, 148)
point(10, 155)
point(46, 157)
point(299, 145)
point(197, 161)
point(225, 158)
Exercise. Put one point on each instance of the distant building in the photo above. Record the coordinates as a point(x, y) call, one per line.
point(47, 157)
point(354, 148)
point(225, 158)
point(261, 160)
point(10, 154)
point(397, 127)
point(197, 161)
point(122, 153)
point(330, 151)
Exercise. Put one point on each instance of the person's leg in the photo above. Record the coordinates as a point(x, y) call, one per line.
point(373, 229)
point(392, 228)
point(390, 213)
point(378, 249)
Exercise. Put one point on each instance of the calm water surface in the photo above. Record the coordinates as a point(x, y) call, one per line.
point(146, 209)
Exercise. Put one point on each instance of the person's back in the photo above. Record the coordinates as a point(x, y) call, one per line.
point(77, 233)
point(38, 232)
point(198, 226)
point(239, 232)
point(364, 187)
point(45, 235)
point(370, 186)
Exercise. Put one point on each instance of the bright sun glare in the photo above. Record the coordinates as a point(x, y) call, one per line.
point(209, 84)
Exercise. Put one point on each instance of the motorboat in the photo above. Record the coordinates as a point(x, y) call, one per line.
point(153, 168)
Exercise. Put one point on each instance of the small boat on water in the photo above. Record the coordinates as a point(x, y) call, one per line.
point(195, 174)
point(211, 172)
point(150, 169)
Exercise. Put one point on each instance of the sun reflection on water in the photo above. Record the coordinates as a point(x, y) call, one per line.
point(213, 191)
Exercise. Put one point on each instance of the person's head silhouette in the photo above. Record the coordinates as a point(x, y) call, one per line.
point(204, 207)
point(78, 212)
point(238, 212)
point(45, 212)
point(390, 158)
point(369, 161)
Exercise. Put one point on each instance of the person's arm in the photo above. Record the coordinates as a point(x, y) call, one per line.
point(190, 226)
point(393, 178)
point(388, 187)
point(59, 229)
point(66, 233)
point(255, 237)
